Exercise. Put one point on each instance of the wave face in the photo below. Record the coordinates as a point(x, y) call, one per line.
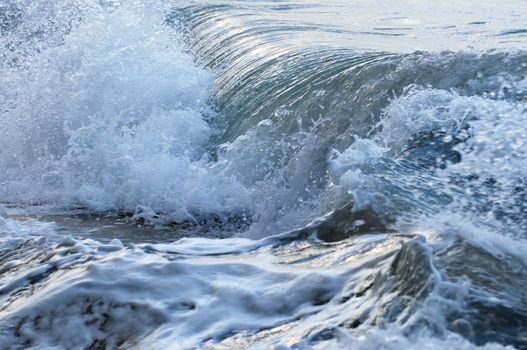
point(365, 166)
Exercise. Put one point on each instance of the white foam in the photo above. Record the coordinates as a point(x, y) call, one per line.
point(441, 227)
point(112, 118)
point(200, 292)
point(495, 128)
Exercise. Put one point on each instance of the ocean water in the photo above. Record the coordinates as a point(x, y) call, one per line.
point(281, 174)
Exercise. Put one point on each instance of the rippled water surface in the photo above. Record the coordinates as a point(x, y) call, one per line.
point(398, 26)
point(263, 174)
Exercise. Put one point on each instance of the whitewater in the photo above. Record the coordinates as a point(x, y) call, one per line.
point(279, 175)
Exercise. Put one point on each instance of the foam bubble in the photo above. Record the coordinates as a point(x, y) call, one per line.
point(111, 117)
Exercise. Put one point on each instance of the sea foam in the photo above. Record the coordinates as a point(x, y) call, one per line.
point(110, 118)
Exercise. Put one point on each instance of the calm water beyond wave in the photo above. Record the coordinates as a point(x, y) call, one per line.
point(198, 174)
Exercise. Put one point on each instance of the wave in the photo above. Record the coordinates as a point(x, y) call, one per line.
point(111, 118)
point(369, 196)
point(309, 293)
point(129, 123)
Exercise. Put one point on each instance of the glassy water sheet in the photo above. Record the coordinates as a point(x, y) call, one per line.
point(263, 174)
